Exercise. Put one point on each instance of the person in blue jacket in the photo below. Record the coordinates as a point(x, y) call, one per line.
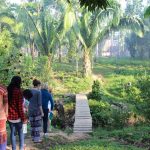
point(46, 98)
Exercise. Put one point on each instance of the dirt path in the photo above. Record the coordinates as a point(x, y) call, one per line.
point(53, 139)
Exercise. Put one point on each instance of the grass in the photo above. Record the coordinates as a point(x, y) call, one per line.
point(114, 73)
point(110, 67)
point(131, 138)
point(118, 72)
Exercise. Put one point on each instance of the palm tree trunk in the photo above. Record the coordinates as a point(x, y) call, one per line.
point(97, 52)
point(0, 28)
point(60, 54)
point(87, 69)
point(49, 62)
point(32, 50)
point(77, 66)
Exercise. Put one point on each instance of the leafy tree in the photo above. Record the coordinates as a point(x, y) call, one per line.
point(6, 42)
point(93, 5)
point(8, 20)
point(139, 46)
point(131, 43)
point(74, 49)
point(47, 30)
point(147, 12)
point(2, 5)
point(134, 9)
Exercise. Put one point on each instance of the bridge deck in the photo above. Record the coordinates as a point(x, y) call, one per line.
point(83, 119)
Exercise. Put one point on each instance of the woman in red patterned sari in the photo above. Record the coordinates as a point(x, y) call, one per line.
point(3, 117)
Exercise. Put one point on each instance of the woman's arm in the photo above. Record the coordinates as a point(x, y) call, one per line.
point(52, 101)
point(42, 114)
point(5, 99)
point(40, 103)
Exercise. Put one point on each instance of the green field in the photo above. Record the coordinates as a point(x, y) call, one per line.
point(113, 74)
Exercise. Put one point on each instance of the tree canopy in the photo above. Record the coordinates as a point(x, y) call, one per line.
point(93, 4)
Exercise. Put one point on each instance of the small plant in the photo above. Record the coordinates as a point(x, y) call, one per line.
point(132, 93)
point(96, 91)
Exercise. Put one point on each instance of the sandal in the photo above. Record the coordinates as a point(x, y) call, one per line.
point(38, 141)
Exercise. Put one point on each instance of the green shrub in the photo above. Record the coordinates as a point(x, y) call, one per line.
point(105, 115)
point(138, 94)
point(119, 117)
point(15, 64)
point(6, 42)
point(96, 91)
point(100, 112)
point(143, 84)
point(132, 92)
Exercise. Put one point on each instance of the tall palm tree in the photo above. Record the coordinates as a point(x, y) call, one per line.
point(8, 22)
point(91, 27)
point(48, 28)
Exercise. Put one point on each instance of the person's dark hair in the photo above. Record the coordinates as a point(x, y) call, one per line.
point(36, 82)
point(15, 83)
point(27, 94)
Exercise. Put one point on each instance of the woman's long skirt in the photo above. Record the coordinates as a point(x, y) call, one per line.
point(36, 123)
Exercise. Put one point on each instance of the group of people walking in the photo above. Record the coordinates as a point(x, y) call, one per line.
point(12, 109)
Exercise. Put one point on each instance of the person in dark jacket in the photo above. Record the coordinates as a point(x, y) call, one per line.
point(46, 98)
